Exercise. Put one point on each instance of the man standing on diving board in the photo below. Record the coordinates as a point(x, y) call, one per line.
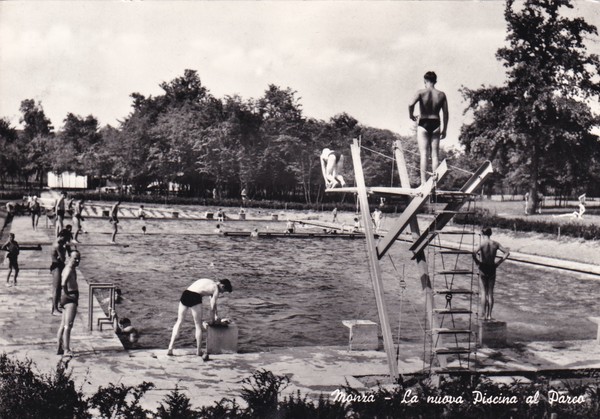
point(429, 129)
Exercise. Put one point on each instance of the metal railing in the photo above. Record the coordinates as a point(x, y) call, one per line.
point(111, 304)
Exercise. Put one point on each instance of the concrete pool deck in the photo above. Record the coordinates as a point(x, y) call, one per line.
point(28, 331)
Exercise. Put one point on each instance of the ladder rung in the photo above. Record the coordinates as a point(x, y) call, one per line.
point(453, 291)
point(452, 311)
point(456, 272)
point(448, 351)
point(448, 331)
point(456, 252)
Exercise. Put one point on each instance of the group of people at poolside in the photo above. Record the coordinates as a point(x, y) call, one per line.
point(430, 130)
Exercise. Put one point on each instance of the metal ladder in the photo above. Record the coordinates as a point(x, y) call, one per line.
point(454, 283)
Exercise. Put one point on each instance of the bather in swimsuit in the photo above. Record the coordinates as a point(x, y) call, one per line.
point(337, 155)
point(69, 297)
point(430, 125)
point(190, 298)
point(488, 272)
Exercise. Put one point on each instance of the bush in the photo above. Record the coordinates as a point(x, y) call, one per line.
point(121, 402)
point(27, 394)
point(177, 406)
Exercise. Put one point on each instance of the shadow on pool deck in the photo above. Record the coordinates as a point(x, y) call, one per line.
point(27, 330)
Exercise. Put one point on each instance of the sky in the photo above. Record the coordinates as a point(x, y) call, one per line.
point(365, 58)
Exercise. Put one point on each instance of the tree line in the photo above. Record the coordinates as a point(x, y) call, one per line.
point(187, 136)
point(536, 128)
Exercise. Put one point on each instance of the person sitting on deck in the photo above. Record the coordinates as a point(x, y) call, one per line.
point(290, 227)
point(141, 214)
point(332, 163)
point(191, 299)
point(576, 214)
point(356, 227)
point(487, 270)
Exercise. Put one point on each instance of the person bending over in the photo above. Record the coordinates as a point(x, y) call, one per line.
point(191, 300)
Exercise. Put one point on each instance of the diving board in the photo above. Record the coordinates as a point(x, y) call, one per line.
point(381, 190)
point(451, 208)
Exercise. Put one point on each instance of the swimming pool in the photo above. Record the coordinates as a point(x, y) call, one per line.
point(296, 292)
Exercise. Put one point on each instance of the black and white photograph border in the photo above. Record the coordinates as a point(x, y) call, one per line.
point(223, 209)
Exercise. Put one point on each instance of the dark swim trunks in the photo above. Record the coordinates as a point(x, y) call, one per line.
point(190, 298)
point(13, 262)
point(487, 271)
point(60, 213)
point(430, 125)
point(70, 297)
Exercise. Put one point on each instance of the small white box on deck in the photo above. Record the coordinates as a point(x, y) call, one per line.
point(222, 339)
point(364, 335)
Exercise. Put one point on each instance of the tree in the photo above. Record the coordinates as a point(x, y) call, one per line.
point(35, 139)
point(539, 119)
point(9, 157)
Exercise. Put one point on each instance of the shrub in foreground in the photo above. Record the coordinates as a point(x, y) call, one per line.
point(25, 393)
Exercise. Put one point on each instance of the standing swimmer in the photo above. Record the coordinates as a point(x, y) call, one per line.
point(114, 220)
point(429, 130)
point(12, 247)
point(487, 270)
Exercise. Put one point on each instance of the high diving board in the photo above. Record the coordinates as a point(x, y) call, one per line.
point(381, 190)
point(450, 210)
point(411, 210)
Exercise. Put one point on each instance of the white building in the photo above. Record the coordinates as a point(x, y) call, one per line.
point(67, 180)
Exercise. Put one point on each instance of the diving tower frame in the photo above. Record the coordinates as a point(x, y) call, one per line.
point(418, 197)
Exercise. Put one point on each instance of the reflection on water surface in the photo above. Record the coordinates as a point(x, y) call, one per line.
point(296, 292)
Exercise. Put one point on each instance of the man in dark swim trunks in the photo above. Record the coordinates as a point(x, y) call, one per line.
point(487, 270)
point(68, 301)
point(429, 130)
point(332, 163)
point(12, 247)
point(59, 210)
point(191, 299)
point(59, 257)
point(114, 220)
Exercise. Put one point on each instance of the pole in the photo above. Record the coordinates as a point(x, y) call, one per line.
point(376, 276)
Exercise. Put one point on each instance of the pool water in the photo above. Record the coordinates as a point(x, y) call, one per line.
point(296, 292)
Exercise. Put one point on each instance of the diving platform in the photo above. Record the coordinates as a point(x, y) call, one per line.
point(380, 190)
point(417, 197)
